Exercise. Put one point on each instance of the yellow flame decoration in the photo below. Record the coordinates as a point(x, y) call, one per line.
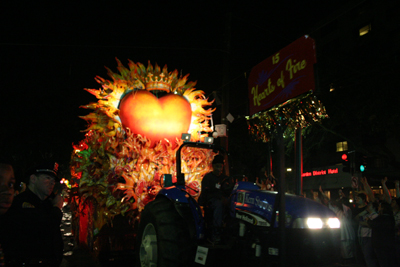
point(118, 169)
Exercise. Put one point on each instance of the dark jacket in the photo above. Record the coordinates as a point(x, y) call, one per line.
point(30, 231)
point(209, 188)
point(383, 231)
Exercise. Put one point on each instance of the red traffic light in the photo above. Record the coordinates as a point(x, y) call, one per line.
point(344, 157)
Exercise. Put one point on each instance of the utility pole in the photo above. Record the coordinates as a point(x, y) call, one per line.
point(299, 162)
point(225, 77)
point(281, 196)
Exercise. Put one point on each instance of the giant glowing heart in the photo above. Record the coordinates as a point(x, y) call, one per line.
point(156, 118)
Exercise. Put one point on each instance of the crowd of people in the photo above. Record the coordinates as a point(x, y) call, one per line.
point(30, 219)
point(370, 225)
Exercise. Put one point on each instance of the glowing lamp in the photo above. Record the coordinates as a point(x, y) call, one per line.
point(209, 140)
point(314, 223)
point(333, 223)
point(346, 163)
point(186, 137)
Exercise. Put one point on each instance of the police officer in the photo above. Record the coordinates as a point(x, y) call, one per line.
point(33, 234)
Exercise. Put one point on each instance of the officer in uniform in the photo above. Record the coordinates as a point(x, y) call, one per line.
point(33, 235)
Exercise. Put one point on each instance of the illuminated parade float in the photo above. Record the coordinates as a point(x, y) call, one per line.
point(133, 133)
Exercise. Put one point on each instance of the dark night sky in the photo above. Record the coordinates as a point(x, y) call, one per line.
point(50, 52)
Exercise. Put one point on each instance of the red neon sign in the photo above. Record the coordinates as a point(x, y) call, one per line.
point(320, 172)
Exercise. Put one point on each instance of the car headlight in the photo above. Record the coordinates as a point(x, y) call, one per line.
point(334, 223)
point(314, 223)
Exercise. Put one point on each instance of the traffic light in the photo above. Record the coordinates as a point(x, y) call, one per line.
point(363, 163)
point(345, 163)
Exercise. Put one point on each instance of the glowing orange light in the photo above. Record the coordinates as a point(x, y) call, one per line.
point(157, 119)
